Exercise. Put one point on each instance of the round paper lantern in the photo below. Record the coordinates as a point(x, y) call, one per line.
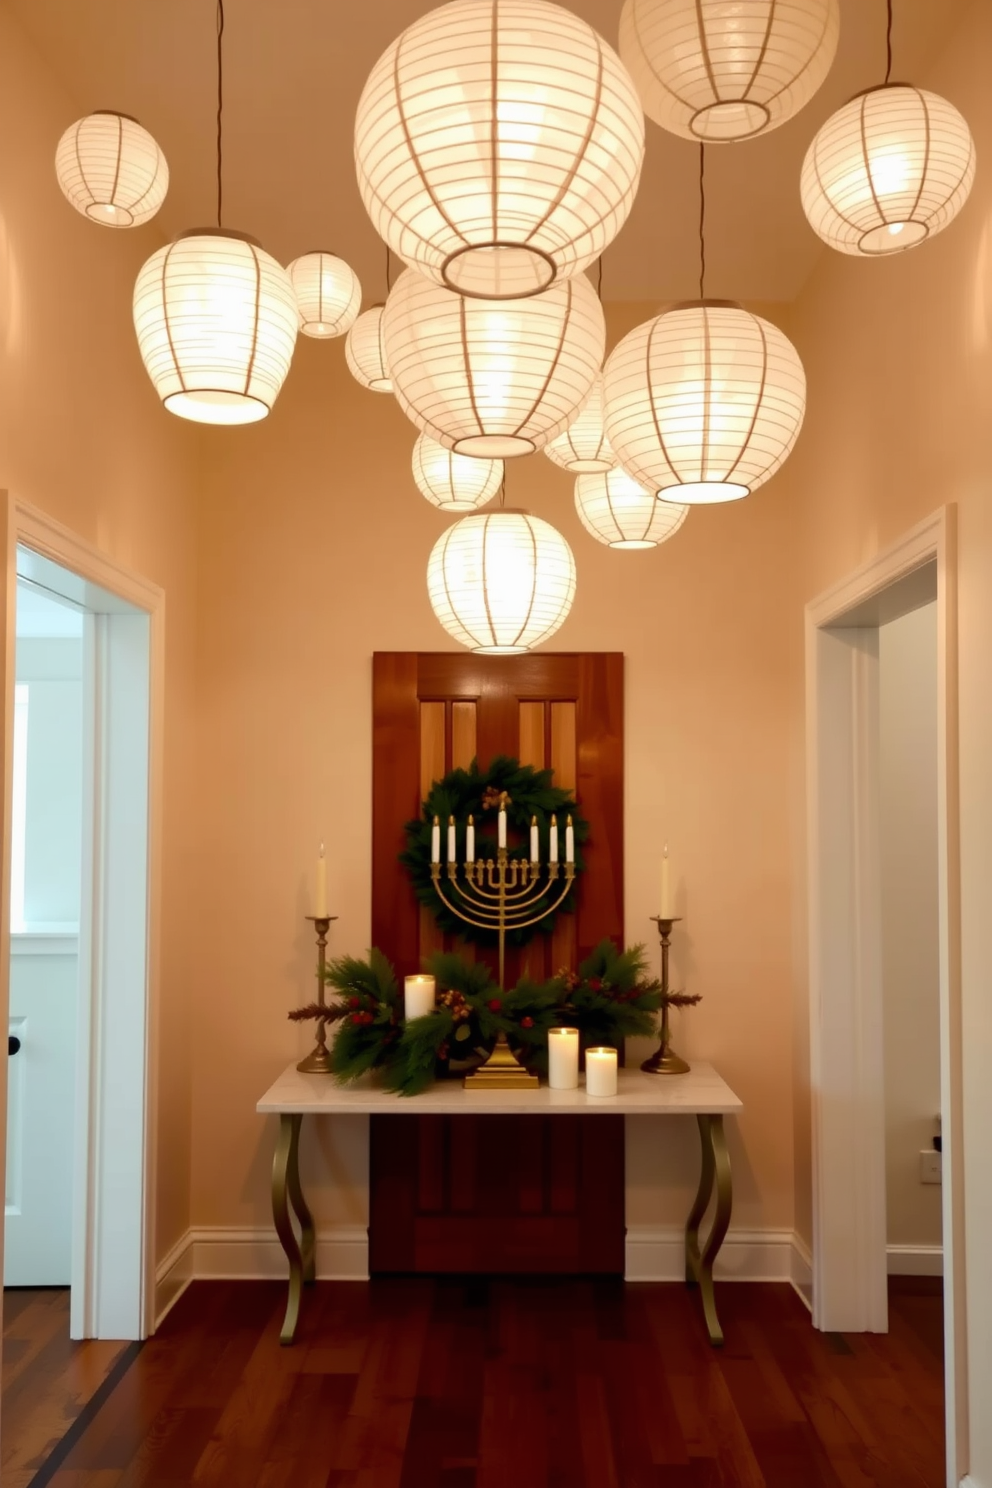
point(454, 483)
point(498, 145)
point(715, 70)
point(892, 167)
point(365, 353)
point(495, 378)
point(619, 512)
point(111, 170)
point(704, 402)
point(328, 294)
point(216, 323)
point(501, 582)
point(584, 446)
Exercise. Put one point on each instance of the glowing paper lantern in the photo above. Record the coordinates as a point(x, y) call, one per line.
point(216, 323)
point(501, 582)
point(892, 167)
point(454, 483)
point(584, 446)
point(365, 353)
point(111, 170)
point(717, 70)
point(704, 402)
point(328, 294)
point(619, 512)
point(495, 378)
point(498, 145)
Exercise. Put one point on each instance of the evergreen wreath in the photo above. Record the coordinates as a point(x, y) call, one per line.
point(530, 793)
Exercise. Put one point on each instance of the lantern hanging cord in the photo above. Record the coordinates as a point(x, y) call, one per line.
point(220, 108)
point(888, 42)
point(388, 285)
point(599, 280)
point(702, 220)
point(502, 489)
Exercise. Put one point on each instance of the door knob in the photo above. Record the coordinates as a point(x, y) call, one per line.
point(13, 1043)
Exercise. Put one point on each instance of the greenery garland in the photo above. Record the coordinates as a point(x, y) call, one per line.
point(531, 793)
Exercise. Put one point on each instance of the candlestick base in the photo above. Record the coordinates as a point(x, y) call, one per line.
point(501, 1071)
point(664, 1061)
point(317, 1062)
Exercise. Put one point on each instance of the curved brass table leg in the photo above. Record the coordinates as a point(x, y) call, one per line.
point(304, 1216)
point(286, 1190)
point(715, 1170)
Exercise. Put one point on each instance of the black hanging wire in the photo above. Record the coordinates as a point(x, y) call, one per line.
point(599, 280)
point(888, 43)
point(220, 108)
point(702, 220)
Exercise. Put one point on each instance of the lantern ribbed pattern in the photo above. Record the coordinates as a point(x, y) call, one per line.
point(216, 323)
point(715, 70)
point(704, 402)
point(619, 512)
point(498, 145)
point(454, 483)
point(892, 167)
point(111, 170)
point(365, 352)
point(501, 582)
point(328, 294)
point(495, 378)
point(584, 446)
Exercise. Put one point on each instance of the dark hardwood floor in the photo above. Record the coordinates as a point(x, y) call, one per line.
point(456, 1383)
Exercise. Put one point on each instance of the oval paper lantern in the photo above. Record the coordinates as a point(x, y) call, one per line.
point(216, 323)
point(454, 483)
point(498, 145)
point(704, 402)
point(365, 353)
point(328, 294)
point(495, 378)
point(892, 167)
point(111, 170)
point(715, 70)
point(501, 582)
point(621, 514)
point(584, 446)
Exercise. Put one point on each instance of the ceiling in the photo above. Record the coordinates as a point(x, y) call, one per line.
point(293, 71)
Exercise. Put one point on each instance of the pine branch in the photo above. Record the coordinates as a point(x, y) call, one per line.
point(330, 1013)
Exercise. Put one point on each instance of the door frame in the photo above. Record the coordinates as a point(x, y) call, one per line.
point(113, 1274)
point(845, 988)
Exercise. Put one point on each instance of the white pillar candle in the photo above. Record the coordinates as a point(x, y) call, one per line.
point(470, 840)
point(418, 996)
point(563, 1058)
point(320, 888)
point(451, 839)
point(666, 910)
point(553, 851)
point(569, 841)
point(601, 1072)
point(436, 841)
point(502, 827)
point(535, 851)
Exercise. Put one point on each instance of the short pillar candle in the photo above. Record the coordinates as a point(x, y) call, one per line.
point(601, 1071)
point(418, 996)
point(563, 1058)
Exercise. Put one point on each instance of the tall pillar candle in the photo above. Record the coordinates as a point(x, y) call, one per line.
point(418, 996)
point(601, 1072)
point(563, 1058)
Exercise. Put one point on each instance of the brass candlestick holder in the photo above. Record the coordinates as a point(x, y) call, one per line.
point(664, 1061)
point(318, 1061)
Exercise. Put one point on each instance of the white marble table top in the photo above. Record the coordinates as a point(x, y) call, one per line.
point(700, 1092)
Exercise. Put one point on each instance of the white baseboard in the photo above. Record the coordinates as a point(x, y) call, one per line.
point(802, 1271)
point(970, 1482)
point(658, 1254)
point(915, 1260)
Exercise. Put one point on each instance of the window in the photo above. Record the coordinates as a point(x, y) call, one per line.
point(18, 823)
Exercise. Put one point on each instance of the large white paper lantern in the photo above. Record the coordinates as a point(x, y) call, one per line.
point(498, 145)
point(454, 483)
point(704, 402)
point(328, 294)
point(715, 70)
point(501, 582)
point(584, 447)
point(365, 352)
point(891, 168)
point(621, 514)
point(111, 170)
point(495, 378)
point(216, 323)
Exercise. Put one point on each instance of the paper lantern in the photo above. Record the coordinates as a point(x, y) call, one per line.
point(498, 145)
point(328, 294)
point(704, 402)
point(111, 170)
point(454, 483)
point(892, 167)
point(365, 353)
point(619, 512)
point(501, 582)
point(715, 70)
point(584, 446)
point(496, 378)
point(216, 323)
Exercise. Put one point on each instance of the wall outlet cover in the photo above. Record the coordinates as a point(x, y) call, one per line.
point(930, 1170)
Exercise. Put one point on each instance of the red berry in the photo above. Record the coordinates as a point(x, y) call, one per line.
point(495, 1006)
point(595, 985)
point(354, 1002)
point(526, 1022)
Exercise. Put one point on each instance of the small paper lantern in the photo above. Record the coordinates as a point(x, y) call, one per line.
point(715, 70)
point(498, 145)
point(328, 294)
point(216, 323)
point(584, 446)
point(365, 353)
point(621, 514)
point(891, 168)
point(454, 483)
point(704, 402)
point(501, 582)
point(496, 378)
point(111, 170)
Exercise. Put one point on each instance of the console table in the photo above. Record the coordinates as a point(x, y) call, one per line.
point(700, 1093)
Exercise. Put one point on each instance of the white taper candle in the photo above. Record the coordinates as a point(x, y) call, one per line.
point(666, 909)
point(436, 841)
point(451, 839)
point(470, 840)
point(502, 827)
point(320, 888)
point(569, 841)
point(535, 850)
point(553, 850)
